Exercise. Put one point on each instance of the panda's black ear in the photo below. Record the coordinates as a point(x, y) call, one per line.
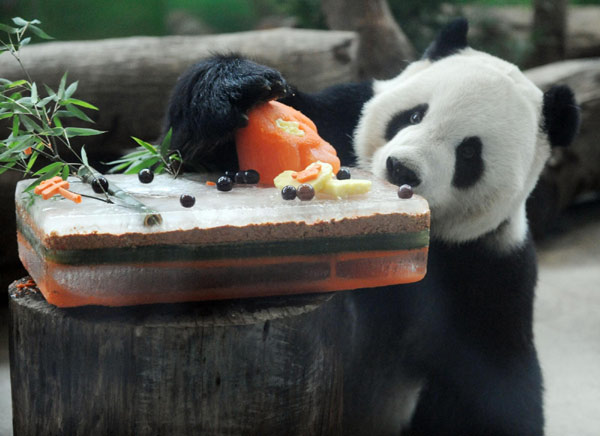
point(561, 115)
point(451, 39)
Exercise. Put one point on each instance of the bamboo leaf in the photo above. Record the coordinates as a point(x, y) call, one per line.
point(146, 145)
point(137, 166)
point(49, 168)
point(39, 32)
point(73, 111)
point(34, 94)
point(61, 87)
point(80, 131)
point(18, 83)
point(71, 89)
point(29, 124)
point(31, 161)
point(8, 29)
point(166, 143)
point(20, 21)
point(159, 169)
point(15, 126)
point(84, 158)
point(80, 103)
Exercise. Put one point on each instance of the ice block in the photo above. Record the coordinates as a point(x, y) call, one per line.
point(247, 242)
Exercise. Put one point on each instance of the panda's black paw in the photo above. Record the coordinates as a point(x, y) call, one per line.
point(212, 99)
point(260, 85)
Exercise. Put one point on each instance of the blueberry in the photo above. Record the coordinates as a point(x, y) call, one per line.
point(187, 200)
point(100, 185)
point(288, 192)
point(251, 176)
point(230, 174)
point(405, 192)
point(305, 192)
point(224, 183)
point(240, 177)
point(343, 174)
point(146, 175)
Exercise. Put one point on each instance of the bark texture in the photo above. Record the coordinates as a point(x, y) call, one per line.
point(264, 367)
point(383, 50)
point(549, 31)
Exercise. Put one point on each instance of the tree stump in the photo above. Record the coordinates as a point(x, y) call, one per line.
point(265, 366)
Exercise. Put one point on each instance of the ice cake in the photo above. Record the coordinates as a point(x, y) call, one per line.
point(247, 242)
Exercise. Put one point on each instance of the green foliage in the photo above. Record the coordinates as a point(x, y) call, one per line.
point(157, 157)
point(37, 116)
point(92, 19)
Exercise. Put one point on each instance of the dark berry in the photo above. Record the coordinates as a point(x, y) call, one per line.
point(224, 183)
point(405, 192)
point(100, 185)
point(240, 177)
point(305, 192)
point(251, 176)
point(343, 174)
point(146, 175)
point(230, 174)
point(288, 192)
point(187, 200)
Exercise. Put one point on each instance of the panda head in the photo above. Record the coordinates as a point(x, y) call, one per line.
point(469, 132)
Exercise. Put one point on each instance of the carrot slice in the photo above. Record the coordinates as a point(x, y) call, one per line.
point(279, 138)
point(56, 185)
point(311, 172)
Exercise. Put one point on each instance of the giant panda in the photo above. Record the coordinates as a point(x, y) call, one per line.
point(453, 354)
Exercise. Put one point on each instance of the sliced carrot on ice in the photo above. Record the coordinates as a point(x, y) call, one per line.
point(56, 185)
point(311, 172)
point(279, 138)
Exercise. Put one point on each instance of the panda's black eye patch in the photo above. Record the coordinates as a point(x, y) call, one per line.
point(468, 165)
point(404, 119)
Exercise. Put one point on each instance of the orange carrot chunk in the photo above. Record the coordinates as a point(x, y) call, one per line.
point(309, 173)
point(56, 185)
point(279, 138)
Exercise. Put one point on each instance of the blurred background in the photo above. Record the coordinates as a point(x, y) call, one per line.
point(504, 28)
point(127, 55)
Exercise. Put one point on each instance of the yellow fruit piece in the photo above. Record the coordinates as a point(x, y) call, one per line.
point(345, 188)
point(285, 178)
point(291, 127)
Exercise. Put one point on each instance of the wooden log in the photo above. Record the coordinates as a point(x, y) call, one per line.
point(130, 79)
point(262, 366)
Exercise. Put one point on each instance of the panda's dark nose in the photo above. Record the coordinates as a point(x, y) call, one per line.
point(400, 174)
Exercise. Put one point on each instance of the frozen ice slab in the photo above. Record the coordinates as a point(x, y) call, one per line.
point(241, 243)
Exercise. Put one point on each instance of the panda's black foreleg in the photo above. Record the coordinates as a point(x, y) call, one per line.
point(210, 101)
point(484, 398)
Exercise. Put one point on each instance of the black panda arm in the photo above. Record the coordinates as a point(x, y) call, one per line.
point(210, 101)
point(335, 111)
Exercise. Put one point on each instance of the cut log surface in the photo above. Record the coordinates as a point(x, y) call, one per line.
point(262, 366)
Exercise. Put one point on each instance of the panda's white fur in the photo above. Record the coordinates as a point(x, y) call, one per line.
point(507, 120)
